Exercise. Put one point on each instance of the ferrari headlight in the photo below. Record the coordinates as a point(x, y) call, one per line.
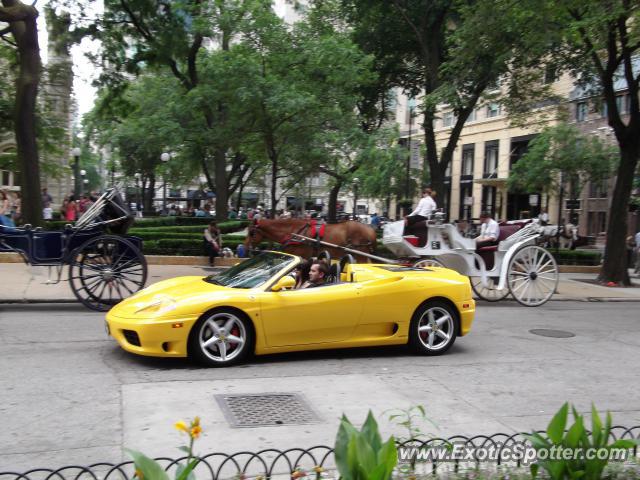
point(160, 304)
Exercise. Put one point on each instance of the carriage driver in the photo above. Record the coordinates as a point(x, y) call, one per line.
point(426, 206)
point(489, 231)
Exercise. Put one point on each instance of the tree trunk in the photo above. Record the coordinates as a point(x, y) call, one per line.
point(221, 185)
point(22, 20)
point(614, 267)
point(333, 202)
point(274, 185)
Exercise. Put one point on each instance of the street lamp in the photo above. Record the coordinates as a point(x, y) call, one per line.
point(356, 181)
point(165, 157)
point(76, 170)
point(138, 199)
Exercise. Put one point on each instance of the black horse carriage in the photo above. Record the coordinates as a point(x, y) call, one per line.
point(105, 265)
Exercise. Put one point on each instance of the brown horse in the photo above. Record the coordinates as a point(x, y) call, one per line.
point(349, 234)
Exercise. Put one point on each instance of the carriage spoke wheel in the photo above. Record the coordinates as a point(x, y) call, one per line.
point(221, 339)
point(532, 276)
point(105, 270)
point(488, 292)
point(428, 262)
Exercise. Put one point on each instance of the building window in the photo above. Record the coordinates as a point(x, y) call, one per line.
point(472, 116)
point(5, 178)
point(489, 200)
point(491, 159)
point(598, 189)
point(467, 160)
point(466, 200)
point(604, 111)
point(581, 111)
point(493, 110)
point(448, 119)
point(550, 75)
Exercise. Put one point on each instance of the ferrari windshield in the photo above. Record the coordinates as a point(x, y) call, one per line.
point(252, 272)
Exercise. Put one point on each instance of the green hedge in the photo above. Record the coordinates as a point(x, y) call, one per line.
point(576, 257)
point(172, 246)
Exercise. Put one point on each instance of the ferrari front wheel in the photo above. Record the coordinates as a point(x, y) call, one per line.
point(434, 328)
point(221, 338)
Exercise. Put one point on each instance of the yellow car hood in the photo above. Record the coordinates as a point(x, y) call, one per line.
point(174, 297)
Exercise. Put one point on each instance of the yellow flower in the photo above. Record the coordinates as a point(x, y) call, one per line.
point(318, 469)
point(298, 474)
point(181, 426)
point(195, 431)
point(196, 422)
point(139, 474)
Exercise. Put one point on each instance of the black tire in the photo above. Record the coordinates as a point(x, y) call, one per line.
point(203, 330)
point(105, 270)
point(419, 332)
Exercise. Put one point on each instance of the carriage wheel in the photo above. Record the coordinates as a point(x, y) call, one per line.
point(105, 270)
point(428, 262)
point(532, 276)
point(490, 292)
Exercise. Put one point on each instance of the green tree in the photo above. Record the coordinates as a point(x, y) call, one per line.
point(597, 42)
point(559, 156)
point(446, 51)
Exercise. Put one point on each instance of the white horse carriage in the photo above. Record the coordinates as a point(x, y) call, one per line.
point(517, 265)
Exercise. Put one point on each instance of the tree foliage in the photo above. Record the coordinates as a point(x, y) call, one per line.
point(561, 154)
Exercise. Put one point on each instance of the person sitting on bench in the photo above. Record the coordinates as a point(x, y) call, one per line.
point(489, 231)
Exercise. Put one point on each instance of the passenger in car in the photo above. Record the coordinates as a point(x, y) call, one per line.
point(302, 273)
point(317, 274)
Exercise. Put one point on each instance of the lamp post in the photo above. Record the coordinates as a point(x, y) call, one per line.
point(407, 173)
point(84, 181)
point(165, 157)
point(356, 181)
point(76, 170)
point(138, 199)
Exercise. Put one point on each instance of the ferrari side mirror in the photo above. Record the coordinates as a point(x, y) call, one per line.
point(285, 282)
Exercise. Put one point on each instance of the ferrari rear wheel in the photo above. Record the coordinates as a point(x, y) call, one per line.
point(434, 328)
point(221, 338)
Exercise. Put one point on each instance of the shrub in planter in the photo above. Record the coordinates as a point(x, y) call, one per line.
point(575, 439)
point(361, 455)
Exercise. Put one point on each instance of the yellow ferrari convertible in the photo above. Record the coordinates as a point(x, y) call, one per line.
point(253, 308)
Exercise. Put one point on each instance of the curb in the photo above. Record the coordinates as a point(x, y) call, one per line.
point(228, 262)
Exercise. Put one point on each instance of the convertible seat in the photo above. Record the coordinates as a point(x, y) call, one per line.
point(487, 253)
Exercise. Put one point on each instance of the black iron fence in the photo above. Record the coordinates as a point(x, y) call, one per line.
point(317, 462)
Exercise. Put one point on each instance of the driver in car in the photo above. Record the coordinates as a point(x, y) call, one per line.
point(317, 275)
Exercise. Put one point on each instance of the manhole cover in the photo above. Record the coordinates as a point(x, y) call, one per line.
point(257, 410)
point(545, 332)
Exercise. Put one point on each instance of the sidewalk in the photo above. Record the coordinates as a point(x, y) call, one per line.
point(23, 284)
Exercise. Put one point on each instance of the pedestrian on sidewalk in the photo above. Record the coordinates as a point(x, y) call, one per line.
point(212, 241)
point(5, 210)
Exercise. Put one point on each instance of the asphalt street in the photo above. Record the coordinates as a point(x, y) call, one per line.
point(70, 395)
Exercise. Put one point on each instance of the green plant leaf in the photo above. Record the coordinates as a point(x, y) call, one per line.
point(371, 433)
point(343, 438)
point(186, 472)
point(533, 468)
point(556, 427)
point(184, 448)
point(366, 454)
point(596, 427)
point(388, 457)
point(575, 433)
point(149, 468)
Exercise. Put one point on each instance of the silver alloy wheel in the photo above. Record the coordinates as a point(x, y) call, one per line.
point(428, 262)
point(489, 292)
point(222, 337)
point(436, 328)
point(532, 276)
